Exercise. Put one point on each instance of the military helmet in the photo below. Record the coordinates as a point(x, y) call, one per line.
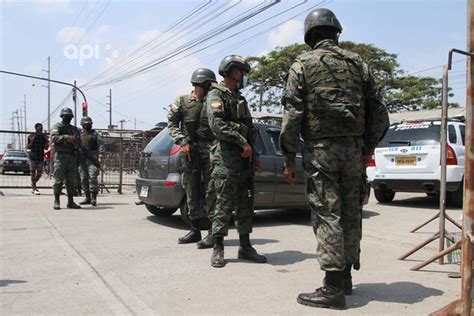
point(201, 75)
point(66, 111)
point(233, 61)
point(86, 120)
point(320, 17)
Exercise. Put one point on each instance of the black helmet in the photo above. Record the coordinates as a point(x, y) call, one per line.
point(201, 75)
point(233, 61)
point(66, 111)
point(320, 17)
point(86, 120)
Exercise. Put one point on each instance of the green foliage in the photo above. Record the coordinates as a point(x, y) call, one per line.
point(403, 91)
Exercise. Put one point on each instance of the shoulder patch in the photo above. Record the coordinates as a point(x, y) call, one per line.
point(216, 104)
point(173, 107)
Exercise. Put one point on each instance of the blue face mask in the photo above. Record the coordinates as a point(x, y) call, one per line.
point(245, 81)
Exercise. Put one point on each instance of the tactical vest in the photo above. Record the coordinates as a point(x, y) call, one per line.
point(193, 110)
point(236, 110)
point(67, 130)
point(335, 97)
point(89, 140)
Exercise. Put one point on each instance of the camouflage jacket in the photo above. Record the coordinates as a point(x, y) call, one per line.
point(188, 108)
point(60, 133)
point(231, 122)
point(331, 92)
point(92, 142)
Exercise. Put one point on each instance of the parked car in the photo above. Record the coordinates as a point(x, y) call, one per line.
point(408, 160)
point(16, 161)
point(158, 184)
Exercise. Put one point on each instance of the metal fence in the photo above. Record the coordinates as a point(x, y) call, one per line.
point(120, 167)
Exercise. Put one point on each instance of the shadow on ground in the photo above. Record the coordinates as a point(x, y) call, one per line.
point(174, 221)
point(398, 292)
point(5, 282)
point(424, 202)
point(254, 241)
point(288, 257)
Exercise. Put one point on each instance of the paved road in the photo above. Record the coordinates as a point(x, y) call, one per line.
point(118, 259)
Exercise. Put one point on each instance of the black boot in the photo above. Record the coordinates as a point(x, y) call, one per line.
point(347, 280)
point(94, 199)
point(56, 202)
point(71, 204)
point(207, 242)
point(87, 199)
point(247, 252)
point(330, 295)
point(217, 258)
point(194, 235)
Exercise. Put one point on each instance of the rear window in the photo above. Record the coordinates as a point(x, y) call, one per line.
point(275, 141)
point(411, 133)
point(16, 154)
point(161, 144)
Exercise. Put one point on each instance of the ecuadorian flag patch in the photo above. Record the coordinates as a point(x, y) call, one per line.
point(216, 104)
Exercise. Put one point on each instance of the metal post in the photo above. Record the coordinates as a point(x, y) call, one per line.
point(49, 93)
point(110, 109)
point(121, 166)
point(74, 98)
point(443, 149)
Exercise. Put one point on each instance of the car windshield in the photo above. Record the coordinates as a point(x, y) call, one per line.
point(15, 154)
point(161, 144)
point(411, 133)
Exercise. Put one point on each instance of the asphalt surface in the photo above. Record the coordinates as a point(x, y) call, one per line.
point(117, 258)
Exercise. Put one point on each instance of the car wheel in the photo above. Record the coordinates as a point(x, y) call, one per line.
point(384, 195)
point(160, 211)
point(431, 194)
point(455, 198)
point(183, 209)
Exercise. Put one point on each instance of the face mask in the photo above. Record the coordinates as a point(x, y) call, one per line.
point(67, 119)
point(245, 81)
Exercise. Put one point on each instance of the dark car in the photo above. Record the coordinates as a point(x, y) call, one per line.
point(159, 182)
point(15, 161)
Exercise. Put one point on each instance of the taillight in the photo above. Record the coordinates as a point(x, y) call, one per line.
point(170, 184)
point(451, 156)
point(372, 161)
point(175, 150)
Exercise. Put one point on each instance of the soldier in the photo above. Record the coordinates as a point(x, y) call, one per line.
point(67, 142)
point(38, 142)
point(188, 126)
point(233, 159)
point(328, 94)
point(92, 153)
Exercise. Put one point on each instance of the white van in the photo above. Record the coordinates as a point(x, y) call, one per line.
point(408, 160)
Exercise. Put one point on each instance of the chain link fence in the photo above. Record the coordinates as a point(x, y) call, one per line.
point(119, 169)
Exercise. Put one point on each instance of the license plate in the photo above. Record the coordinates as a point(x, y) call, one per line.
point(405, 161)
point(144, 191)
point(17, 162)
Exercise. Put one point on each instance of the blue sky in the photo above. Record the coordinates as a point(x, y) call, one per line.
point(421, 32)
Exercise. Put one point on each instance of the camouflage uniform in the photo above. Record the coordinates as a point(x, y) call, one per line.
point(65, 164)
point(188, 108)
point(229, 118)
point(331, 99)
point(89, 171)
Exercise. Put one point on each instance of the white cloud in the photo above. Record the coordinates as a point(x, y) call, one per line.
point(288, 33)
point(69, 33)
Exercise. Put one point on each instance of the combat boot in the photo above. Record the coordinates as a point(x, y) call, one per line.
point(217, 258)
point(347, 280)
point(193, 236)
point(324, 297)
point(71, 204)
point(247, 252)
point(207, 242)
point(87, 199)
point(56, 202)
point(94, 199)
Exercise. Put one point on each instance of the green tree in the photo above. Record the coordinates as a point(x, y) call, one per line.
point(403, 91)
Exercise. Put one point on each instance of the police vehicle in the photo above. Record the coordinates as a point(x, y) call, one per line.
point(408, 160)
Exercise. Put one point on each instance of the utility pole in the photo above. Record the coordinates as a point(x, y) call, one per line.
point(17, 117)
point(74, 98)
point(135, 124)
point(49, 92)
point(110, 109)
point(13, 140)
point(24, 109)
point(121, 123)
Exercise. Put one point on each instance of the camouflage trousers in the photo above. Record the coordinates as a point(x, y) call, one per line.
point(197, 205)
point(65, 168)
point(333, 170)
point(231, 197)
point(89, 173)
